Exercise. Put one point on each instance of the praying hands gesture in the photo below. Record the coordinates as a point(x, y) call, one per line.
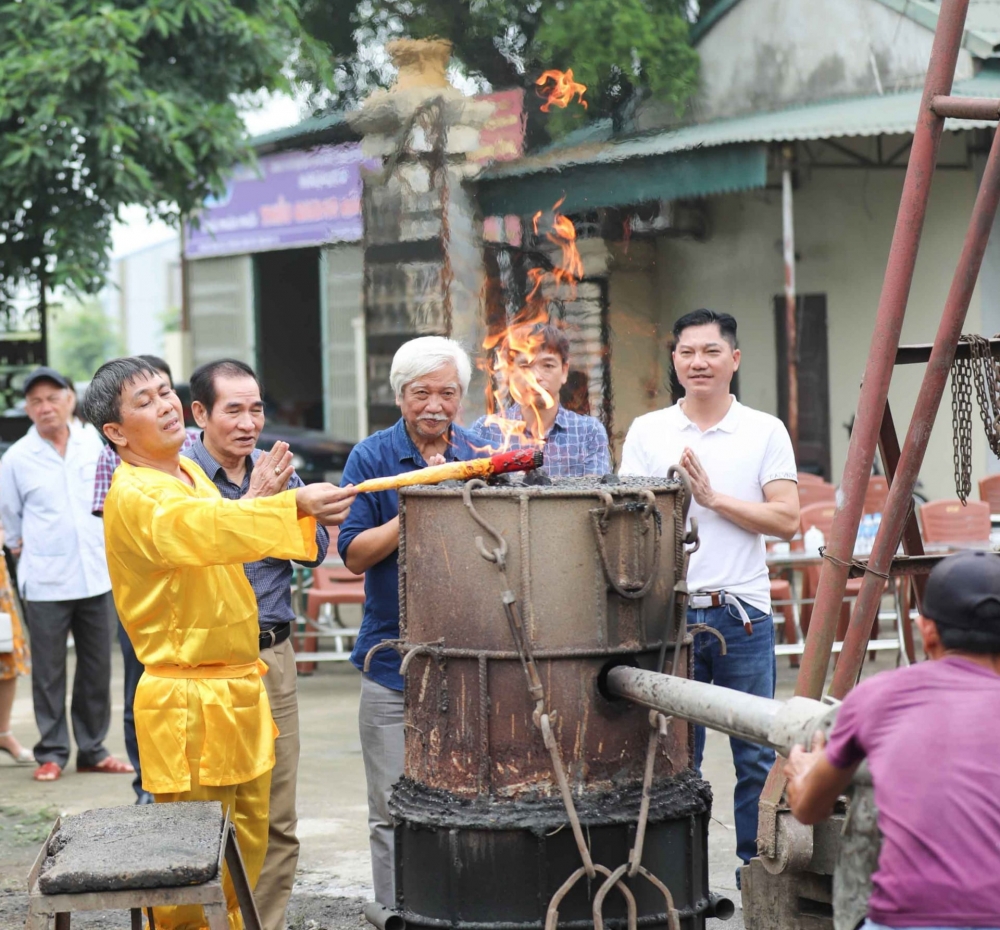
point(777, 515)
point(271, 472)
point(701, 485)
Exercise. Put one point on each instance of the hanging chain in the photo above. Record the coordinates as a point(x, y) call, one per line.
point(980, 368)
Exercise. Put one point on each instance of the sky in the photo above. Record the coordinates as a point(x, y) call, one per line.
point(272, 111)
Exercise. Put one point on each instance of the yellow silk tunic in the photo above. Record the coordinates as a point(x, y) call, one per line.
point(175, 556)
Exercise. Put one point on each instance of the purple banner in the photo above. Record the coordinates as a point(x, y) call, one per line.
point(290, 200)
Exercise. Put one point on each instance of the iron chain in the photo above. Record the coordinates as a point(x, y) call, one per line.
point(980, 368)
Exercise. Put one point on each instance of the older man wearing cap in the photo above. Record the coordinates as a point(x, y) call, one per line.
point(46, 487)
point(927, 733)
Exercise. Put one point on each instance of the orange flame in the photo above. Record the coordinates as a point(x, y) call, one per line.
point(561, 91)
point(511, 352)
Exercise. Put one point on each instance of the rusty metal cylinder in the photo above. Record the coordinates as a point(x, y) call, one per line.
point(469, 723)
point(584, 575)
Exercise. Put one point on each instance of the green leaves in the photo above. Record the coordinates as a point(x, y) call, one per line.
point(107, 104)
point(615, 47)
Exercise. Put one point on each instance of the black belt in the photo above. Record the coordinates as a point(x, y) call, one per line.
point(277, 634)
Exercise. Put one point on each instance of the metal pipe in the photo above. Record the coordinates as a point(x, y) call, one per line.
point(980, 108)
point(791, 322)
point(881, 354)
point(778, 724)
point(719, 906)
point(897, 507)
point(380, 916)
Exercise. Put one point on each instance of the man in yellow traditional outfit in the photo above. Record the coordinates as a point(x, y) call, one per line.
point(176, 550)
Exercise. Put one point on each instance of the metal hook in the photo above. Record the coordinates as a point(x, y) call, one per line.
point(613, 880)
point(498, 555)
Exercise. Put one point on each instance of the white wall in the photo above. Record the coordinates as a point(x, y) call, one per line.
point(766, 54)
point(144, 286)
point(844, 221)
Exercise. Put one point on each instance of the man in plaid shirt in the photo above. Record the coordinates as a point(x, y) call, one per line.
point(107, 462)
point(574, 445)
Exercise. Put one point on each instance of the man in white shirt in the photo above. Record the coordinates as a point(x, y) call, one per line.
point(46, 490)
point(743, 479)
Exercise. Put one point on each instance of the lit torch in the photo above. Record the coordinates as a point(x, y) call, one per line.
point(500, 464)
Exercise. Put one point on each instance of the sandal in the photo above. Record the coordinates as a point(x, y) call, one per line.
point(110, 766)
point(47, 771)
point(22, 756)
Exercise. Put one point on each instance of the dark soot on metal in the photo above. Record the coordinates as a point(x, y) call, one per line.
point(671, 798)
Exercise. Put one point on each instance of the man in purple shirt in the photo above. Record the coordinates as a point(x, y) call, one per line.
point(107, 462)
point(927, 733)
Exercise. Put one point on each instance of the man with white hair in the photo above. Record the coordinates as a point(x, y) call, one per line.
point(429, 377)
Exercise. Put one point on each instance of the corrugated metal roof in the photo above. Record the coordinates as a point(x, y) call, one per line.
point(330, 127)
point(669, 176)
point(892, 114)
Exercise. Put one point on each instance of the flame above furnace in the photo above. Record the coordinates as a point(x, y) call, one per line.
point(511, 352)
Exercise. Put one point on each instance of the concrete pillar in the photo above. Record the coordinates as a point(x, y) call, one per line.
point(423, 259)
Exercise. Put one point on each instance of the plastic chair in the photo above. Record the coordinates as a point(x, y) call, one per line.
point(989, 491)
point(876, 495)
point(334, 585)
point(781, 601)
point(816, 492)
point(951, 521)
point(821, 516)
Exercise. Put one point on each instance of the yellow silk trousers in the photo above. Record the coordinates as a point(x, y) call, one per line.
point(247, 805)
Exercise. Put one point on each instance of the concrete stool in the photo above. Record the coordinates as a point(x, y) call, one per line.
point(136, 858)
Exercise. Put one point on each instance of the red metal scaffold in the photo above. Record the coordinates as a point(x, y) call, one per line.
point(873, 425)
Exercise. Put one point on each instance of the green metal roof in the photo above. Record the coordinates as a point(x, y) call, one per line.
point(982, 25)
point(698, 160)
point(330, 127)
point(891, 114)
point(663, 176)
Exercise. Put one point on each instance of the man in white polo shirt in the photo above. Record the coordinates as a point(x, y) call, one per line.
point(743, 479)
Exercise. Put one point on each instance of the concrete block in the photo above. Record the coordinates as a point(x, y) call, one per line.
point(416, 177)
point(462, 139)
point(140, 846)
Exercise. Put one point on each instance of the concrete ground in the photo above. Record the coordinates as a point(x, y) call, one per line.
point(334, 870)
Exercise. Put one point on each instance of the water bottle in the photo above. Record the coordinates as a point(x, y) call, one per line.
point(862, 545)
point(813, 540)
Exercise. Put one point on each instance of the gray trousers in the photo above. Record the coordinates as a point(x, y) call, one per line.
point(380, 721)
point(277, 876)
point(49, 623)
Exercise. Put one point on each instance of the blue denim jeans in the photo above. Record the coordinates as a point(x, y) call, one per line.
point(748, 666)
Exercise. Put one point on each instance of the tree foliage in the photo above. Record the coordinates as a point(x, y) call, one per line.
point(108, 103)
point(82, 338)
point(616, 47)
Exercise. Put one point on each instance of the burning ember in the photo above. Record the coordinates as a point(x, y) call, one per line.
point(511, 353)
point(558, 88)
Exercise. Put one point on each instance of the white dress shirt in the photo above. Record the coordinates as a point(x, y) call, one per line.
point(744, 451)
point(45, 502)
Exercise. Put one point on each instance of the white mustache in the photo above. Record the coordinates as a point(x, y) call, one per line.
point(434, 416)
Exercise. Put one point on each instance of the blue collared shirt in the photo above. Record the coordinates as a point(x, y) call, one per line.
point(271, 579)
point(388, 452)
point(575, 446)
